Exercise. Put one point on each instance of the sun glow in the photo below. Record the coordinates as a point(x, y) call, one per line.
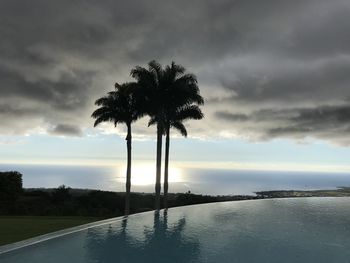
point(145, 174)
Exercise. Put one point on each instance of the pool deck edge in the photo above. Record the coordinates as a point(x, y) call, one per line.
point(67, 231)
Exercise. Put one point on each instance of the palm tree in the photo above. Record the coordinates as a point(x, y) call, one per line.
point(184, 97)
point(152, 85)
point(165, 92)
point(120, 106)
point(175, 120)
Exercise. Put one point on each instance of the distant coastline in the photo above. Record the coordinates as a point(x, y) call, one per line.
point(339, 192)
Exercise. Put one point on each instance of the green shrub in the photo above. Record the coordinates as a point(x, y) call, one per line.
point(10, 185)
point(10, 190)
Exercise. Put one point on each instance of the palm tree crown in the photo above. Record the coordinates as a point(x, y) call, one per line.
point(119, 106)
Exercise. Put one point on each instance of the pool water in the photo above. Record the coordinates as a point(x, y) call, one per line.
point(271, 230)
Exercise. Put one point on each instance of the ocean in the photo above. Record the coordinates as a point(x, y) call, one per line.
point(199, 181)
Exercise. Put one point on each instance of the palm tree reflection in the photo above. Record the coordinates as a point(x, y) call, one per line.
point(161, 244)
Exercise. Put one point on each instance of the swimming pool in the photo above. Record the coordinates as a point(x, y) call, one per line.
point(271, 230)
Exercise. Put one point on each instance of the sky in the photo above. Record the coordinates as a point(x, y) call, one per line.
point(274, 75)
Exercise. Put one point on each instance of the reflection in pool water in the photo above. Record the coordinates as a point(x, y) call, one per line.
point(275, 230)
point(162, 242)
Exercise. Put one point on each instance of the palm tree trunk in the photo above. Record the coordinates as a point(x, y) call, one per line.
point(159, 164)
point(128, 171)
point(166, 167)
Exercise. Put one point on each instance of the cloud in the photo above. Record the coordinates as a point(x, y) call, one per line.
point(231, 116)
point(9, 141)
point(267, 69)
point(330, 123)
point(66, 130)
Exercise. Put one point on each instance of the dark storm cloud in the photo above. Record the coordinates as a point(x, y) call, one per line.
point(266, 68)
point(231, 116)
point(60, 93)
point(66, 129)
point(321, 122)
point(14, 111)
point(286, 81)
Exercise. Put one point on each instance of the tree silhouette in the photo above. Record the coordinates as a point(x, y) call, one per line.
point(175, 120)
point(181, 97)
point(166, 91)
point(121, 106)
point(153, 86)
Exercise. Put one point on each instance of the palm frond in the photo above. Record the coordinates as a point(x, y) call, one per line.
point(103, 118)
point(173, 71)
point(100, 111)
point(196, 98)
point(187, 78)
point(180, 127)
point(189, 112)
point(117, 86)
point(177, 68)
point(156, 69)
point(102, 101)
point(152, 121)
point(138, 72)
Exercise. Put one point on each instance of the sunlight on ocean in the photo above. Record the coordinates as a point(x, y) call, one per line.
point(201, 181)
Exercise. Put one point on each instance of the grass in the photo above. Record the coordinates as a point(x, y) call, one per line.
point(17, 228)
